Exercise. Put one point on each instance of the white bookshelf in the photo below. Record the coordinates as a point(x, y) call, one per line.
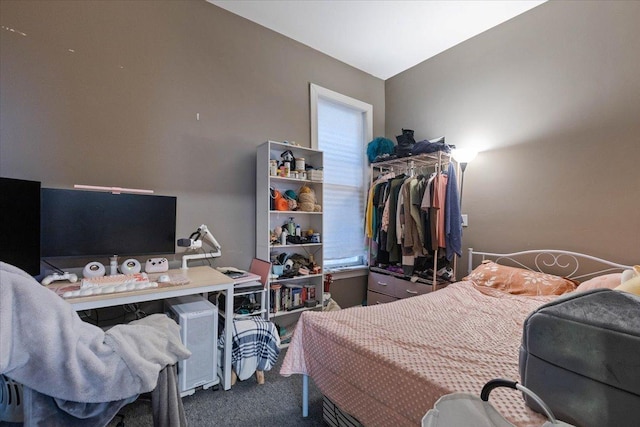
point(268, 219)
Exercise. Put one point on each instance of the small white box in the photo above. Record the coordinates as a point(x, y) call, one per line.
point(314, 174)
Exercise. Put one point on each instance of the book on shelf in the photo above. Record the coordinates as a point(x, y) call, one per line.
point(274, 299)
point(310, 292)
point(297, 297)
point(290, 297)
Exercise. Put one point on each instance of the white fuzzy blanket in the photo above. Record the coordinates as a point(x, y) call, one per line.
point(47, 347)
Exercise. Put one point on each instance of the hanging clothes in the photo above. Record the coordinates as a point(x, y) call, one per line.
point(412, 246)
point(428, 213)
point(375, 223)
point(392, 247)
point(453, 216)
point(439, 203)
point(372, 217)
point(411, 218)
point(369, 214)
point(382, 224)
point(412, 225)
point(415, 197)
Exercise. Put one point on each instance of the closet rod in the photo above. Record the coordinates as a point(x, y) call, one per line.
point(418, 160)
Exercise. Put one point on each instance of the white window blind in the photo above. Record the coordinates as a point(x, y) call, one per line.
point(341, 137)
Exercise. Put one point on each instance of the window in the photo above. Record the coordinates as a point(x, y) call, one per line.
point(341, 127)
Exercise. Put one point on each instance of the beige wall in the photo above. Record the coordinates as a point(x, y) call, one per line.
point(553, 96)
point(121, 109)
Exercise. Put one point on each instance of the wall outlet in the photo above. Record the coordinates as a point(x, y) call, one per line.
point(465, 220)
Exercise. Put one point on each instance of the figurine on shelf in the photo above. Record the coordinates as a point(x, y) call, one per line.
point(274, 236)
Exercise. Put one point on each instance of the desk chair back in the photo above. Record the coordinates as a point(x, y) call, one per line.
point(261, 343)
point(262, 268)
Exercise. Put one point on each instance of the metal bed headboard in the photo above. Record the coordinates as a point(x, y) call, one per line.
point(572, 265)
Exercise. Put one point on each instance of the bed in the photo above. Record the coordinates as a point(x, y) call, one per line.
point(387, 364)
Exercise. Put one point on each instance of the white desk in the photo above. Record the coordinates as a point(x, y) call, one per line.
point(202, 279)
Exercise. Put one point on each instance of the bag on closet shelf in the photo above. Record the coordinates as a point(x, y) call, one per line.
point(431, 146)
point(405, 143)
point(378, 148)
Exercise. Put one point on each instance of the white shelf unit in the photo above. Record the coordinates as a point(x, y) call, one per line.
point(267, 220)
point(258, 294)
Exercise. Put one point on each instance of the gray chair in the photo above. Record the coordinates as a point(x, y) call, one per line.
point(73, 373)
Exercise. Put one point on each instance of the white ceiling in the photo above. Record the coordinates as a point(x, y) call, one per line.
point(382, 38)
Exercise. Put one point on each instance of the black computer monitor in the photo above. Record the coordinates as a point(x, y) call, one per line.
point(78, 223)
point(20, 224)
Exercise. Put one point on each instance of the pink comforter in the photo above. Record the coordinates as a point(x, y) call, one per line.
point(387, 364)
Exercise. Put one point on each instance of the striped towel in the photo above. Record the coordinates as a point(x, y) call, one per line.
point(255, 346)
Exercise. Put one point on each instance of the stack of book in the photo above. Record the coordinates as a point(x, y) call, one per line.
point(290, 297)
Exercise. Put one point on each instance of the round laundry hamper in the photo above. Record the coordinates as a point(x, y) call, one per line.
point(11, 403)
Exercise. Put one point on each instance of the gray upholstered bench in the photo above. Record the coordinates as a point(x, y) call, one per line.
point(581, 355)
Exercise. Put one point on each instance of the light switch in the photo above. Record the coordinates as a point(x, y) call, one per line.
point(465, 220)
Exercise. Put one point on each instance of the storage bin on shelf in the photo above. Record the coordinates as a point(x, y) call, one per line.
point(315, 174)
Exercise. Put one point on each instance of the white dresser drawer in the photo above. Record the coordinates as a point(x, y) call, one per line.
point(406, 288)
point(374, 298)
point(381, 283)
point(398, 287)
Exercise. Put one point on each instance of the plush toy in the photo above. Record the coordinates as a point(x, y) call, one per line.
point(630, 281)
point(307, 199)
point(292, 199)
point(331, 305)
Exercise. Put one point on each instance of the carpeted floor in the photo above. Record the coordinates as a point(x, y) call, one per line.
point(277, 402)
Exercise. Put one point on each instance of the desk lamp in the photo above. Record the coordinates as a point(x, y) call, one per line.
point(194, 242)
